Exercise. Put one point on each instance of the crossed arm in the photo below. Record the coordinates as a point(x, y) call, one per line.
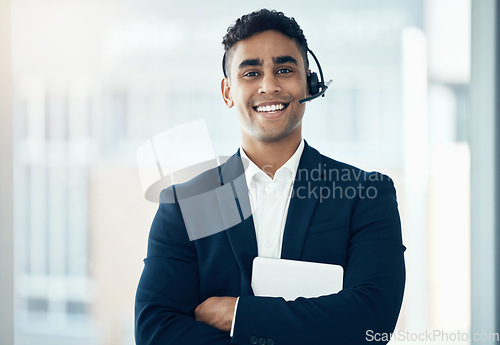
point(217, 312)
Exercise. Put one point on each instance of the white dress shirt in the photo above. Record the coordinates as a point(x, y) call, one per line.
point(269, 200)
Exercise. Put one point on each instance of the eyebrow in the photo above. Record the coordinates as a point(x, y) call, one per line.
point(284, 59)
point(276, 60)
point(250, 62)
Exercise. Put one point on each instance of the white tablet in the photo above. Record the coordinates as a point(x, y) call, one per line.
point(291, 279)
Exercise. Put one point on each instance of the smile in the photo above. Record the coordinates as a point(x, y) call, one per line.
point(270, 108)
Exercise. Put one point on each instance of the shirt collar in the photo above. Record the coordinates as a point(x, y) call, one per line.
point(291, 165)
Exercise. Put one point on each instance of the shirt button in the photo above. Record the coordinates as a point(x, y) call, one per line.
point(262, 341)
point(268, 244)
point(270, 342)
point(254, 340)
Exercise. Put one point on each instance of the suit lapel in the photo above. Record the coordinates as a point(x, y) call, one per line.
point(242, 235)
point(244, 245)
point(306, 188)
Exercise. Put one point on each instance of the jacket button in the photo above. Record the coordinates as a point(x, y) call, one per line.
point(262, 341)
point(270, 342)
point(254, 340)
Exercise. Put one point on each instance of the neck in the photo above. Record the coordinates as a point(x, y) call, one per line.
point(269, 156)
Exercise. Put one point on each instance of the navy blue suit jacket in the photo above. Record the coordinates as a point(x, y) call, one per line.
point(338, 214)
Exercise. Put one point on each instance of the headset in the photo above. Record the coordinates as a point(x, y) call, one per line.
point(316, 87)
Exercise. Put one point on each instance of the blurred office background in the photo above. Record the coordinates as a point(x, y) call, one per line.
point(93, 80)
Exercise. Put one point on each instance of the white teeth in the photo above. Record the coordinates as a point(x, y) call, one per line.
point(271, 108)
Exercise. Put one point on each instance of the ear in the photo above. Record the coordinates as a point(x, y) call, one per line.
point(226, 92)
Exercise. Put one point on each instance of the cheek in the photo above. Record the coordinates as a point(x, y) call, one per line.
point(242, 106)
point(243, 98)
point(300, 88)
point(304, 89)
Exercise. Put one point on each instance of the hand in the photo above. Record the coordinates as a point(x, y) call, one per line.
point(217, 312)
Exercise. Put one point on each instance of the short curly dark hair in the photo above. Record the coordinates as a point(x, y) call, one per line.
point(259, 21)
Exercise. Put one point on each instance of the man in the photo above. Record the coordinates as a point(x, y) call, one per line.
point(304, 206)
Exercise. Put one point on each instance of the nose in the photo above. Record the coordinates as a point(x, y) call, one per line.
point(269, 84)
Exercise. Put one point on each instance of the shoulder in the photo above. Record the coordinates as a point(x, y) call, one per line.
point(206, 182)
point(200, 184)
point(347, 172)
point(333, 170)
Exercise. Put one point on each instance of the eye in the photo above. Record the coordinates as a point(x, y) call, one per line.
point(251, 74)
point(284, 70)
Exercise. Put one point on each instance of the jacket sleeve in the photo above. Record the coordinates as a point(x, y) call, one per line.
point(168, 290)
point(372, 294)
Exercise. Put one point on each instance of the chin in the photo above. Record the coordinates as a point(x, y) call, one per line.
point(266, 134)
point(272, 136)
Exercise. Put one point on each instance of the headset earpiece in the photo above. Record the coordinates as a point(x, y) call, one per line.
point(313, 83)
point(317, 87)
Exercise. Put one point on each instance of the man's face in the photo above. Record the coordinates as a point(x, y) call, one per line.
point(267, 79)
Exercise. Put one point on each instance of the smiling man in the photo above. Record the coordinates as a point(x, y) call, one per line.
point(304, 206)
point(268, 77)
